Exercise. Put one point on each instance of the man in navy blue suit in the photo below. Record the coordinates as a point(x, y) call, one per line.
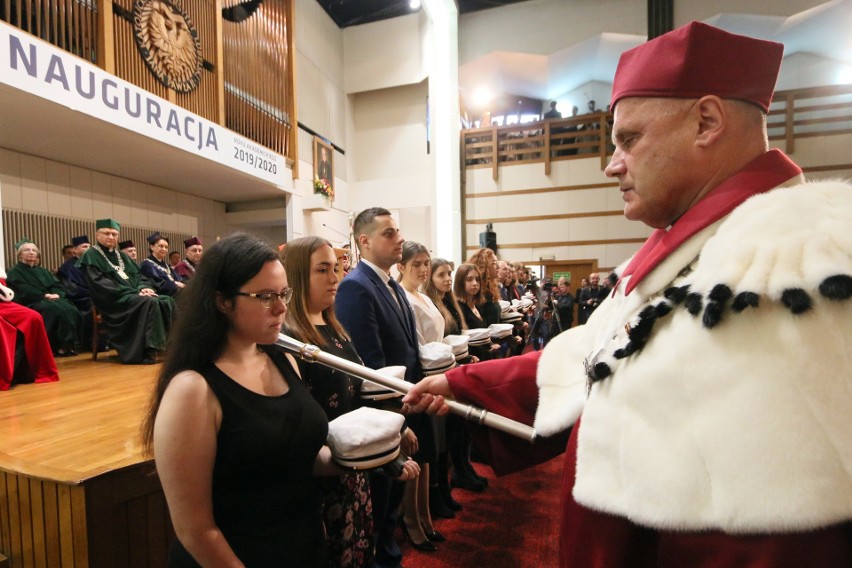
point(373, 309)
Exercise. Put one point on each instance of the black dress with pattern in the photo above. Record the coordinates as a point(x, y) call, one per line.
point(266, 500)
point(347, 507)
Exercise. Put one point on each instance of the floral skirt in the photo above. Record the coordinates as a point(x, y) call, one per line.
point(348, 515)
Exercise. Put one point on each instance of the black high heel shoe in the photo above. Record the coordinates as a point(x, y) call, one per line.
point(434, 536)
point(425, 546)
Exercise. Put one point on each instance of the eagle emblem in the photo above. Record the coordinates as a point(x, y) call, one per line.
point(168, 43)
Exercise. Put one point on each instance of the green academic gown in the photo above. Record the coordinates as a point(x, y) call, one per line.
point(134, 324)
point(62, 320)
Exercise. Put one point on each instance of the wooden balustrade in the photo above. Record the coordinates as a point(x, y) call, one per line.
point(538, 142)
point(799, 113)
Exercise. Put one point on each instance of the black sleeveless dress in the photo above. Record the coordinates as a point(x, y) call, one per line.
point(265, 498)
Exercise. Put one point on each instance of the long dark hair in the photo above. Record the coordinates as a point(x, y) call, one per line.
point(438, 298)
point(296, 257)
point(199, 331)
point(458, 285)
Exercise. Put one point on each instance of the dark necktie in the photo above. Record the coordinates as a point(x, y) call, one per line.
point(400, 295)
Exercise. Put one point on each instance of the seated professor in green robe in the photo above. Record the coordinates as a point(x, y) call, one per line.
point(38, 289)
point(136, 319)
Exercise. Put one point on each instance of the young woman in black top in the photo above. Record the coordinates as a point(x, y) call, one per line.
point(236, 436)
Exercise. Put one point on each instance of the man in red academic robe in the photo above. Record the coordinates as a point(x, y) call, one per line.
point(714, 382)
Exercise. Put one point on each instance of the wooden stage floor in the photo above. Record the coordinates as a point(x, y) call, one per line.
point(75, 489)
point(85, 424)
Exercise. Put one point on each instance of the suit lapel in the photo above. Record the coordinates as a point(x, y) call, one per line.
point(401, 310)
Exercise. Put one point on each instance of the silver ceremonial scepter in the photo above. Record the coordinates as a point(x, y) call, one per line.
point(313, 354)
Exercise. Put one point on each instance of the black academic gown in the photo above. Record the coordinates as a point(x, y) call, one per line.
point(74, 282)
point(134, 324)
point(77, 290)
point(161, 275)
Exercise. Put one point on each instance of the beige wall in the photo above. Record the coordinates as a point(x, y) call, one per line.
point(571, 173)
point(384, 54)
point(389, 165)
point(30, 183)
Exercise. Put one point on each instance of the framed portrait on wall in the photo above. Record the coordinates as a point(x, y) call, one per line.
point(323, 168)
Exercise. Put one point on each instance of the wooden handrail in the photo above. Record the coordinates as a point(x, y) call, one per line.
point(551, 140)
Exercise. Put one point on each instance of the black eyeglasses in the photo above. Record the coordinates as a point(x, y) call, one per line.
point(266, 298)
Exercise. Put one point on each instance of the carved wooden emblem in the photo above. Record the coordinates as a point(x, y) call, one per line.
point(168, 42)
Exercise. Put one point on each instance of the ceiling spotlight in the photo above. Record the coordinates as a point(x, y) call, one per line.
point(414, 4)
point(481, 97)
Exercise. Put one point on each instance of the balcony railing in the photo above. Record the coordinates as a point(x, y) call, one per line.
point(799, 113)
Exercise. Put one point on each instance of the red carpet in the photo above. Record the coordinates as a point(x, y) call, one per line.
point(514, 523)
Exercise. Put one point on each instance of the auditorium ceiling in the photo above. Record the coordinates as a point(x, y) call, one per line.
point(821, 31)
point(347, 13)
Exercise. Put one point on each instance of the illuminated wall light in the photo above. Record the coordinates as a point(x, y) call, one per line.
point(844, 76)
point(414, 4)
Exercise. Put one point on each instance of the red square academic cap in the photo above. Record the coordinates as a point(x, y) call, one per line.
point(697, 60)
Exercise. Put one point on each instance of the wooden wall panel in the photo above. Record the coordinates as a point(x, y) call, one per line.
point(42, 523)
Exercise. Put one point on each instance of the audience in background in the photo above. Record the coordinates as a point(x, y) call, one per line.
point(38, 289)
point(134, 317)
point(584, 283)
point(591, 297)
point(563, 308)
point(553, 112)
point(174, 258)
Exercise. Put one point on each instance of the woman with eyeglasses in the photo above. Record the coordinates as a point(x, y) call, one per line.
point(313, 271)
point(236, 436)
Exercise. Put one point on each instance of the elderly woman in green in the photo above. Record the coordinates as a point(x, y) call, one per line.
point(36, 288)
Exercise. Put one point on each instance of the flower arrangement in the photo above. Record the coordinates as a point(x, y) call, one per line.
point(324, 188)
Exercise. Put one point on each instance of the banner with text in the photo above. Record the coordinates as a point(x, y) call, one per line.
point(36, 67)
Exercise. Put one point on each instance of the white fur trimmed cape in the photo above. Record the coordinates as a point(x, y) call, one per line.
point(721, 386)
